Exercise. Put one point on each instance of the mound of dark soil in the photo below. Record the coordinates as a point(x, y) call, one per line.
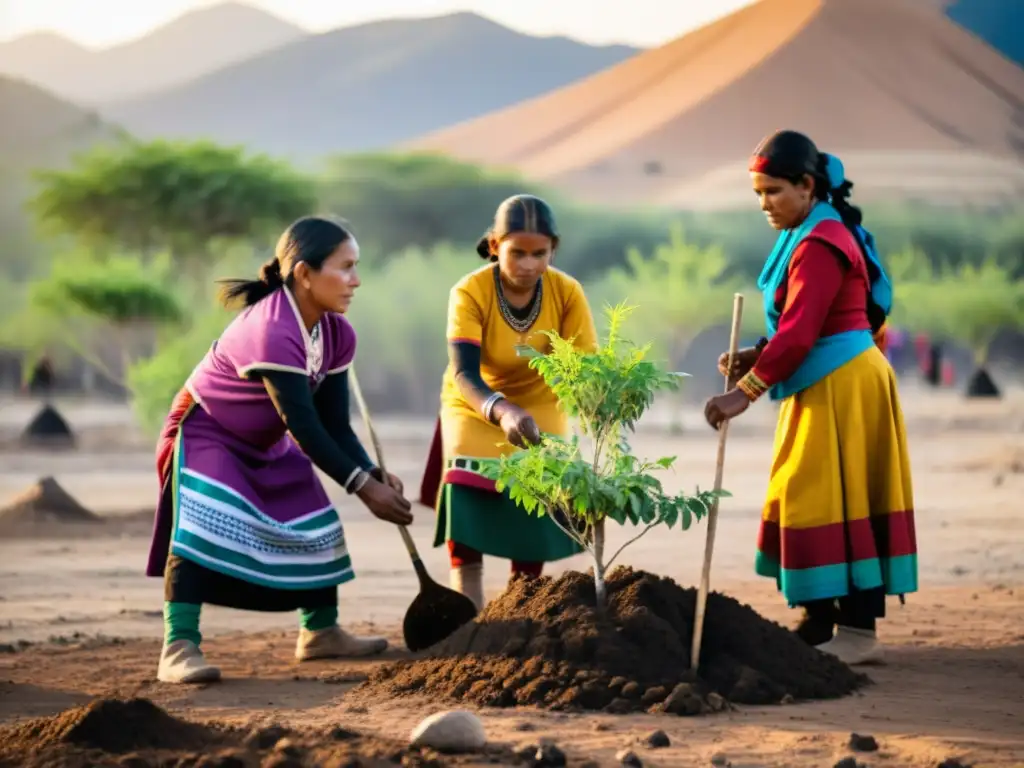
point(44, 503)
point(981, 384)
point(542, 643)
point(48, 429)
point(138, 734)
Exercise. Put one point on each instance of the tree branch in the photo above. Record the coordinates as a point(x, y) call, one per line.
point(570, 532)
point(618, 552)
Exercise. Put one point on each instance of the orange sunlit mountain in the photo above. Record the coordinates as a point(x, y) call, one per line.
point(917, 107)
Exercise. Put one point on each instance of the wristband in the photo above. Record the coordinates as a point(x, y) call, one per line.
point(488, 407)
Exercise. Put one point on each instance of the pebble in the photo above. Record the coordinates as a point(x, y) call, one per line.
point(629, 757)
point(657, 740)
point(863, 743)
point(719, 760)
point(548, 755)
point(601, 727)
point(848, 762)
point(266, 737)
point(450, 731)
point(952, 762)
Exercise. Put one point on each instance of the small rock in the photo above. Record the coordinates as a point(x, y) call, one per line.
point(223, 760)
point(654, 695)
point(288, 747)
point(548, 756)
point(683, 701)
point(601, 727)
point(657, 740)
point(358, 709)
point(266, 737)
point(719, 760)
point(620, 706)
point(7, 648)
point(952, 762)
point(451, 731)
point(525, 726)
point(342, 734)
point(787, 699)
point(629, 757)
point(717, 702)
point(863, 743)
point(526, 751)
point(631, 690)
point(848, 762)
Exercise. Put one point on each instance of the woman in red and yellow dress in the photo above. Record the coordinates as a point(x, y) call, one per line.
point(837, 529)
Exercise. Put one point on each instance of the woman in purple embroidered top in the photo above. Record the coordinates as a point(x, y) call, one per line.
point(243, 521)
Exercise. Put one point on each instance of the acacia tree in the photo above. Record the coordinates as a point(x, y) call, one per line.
point(157, 196)
point(93, 308)
point(681, 290)
point(579, 484)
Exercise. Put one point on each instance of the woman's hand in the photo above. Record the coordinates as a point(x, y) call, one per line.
point(385, 502)
point(744, 360)
point(721, 408)
point(393, 480)
point(519, 427)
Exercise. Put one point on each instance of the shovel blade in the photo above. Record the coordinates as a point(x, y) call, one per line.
point(435, 614)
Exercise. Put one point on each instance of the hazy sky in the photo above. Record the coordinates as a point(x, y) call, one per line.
point(640, 22)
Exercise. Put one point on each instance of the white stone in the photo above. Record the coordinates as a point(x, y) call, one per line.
point(451, 731)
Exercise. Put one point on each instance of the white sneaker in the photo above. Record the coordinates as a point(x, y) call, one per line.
point(854, 646)
point(183, 662)
point(336, 643)
point(468, 580)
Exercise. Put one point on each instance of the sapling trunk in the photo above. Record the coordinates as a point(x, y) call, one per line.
point(600, 591)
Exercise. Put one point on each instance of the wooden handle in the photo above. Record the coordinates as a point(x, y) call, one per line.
point(709, 544)
point(410, 545)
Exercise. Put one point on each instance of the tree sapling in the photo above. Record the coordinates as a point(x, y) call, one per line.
point(579, 483)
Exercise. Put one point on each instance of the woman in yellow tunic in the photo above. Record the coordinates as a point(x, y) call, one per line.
point(492, 401)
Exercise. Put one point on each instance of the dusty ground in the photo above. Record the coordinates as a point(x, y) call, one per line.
point(953, 685)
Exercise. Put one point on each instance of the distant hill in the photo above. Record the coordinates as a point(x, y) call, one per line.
point(366, 86)
point(917, 107)
point(192, 45)
point(39, 130)
point(1000, 23)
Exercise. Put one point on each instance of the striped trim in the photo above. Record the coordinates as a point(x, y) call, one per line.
point(889, 535)
point(752, 385)
point(220, 529)
point(465, 471)
point(897, 574)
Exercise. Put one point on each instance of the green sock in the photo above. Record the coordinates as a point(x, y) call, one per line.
point(315, 619)
point(181, 622)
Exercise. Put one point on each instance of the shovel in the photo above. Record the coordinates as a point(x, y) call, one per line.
point(436, 612)
point(709, 544)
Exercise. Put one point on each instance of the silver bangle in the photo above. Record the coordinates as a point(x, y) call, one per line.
point(489, 403)
point(361, 478)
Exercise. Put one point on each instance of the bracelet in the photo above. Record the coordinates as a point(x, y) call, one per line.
point(488, 407)
point(356, 481)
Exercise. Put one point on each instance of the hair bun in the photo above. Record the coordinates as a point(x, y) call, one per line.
point(270, 273)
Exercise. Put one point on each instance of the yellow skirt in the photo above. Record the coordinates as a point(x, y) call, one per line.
point(840, 509)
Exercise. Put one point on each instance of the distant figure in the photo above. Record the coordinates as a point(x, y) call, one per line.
point(243, 520)
point(42, 379)
point(492, 401)
point(837, 530)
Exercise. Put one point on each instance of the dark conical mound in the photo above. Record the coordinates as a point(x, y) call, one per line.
point(44, 503)
point(542, 643)
point(48, 429)
point(981, 384)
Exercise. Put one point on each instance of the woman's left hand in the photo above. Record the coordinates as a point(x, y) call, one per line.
point(721, 408)
point(390, 479)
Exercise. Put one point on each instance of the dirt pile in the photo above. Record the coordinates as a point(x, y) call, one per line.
point(48, 429)
point(45, 503)
point(136, 733)
point(542, 643)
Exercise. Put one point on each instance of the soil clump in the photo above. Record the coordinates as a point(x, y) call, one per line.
point(542, 643)
point(44, 504)
point(136, 733)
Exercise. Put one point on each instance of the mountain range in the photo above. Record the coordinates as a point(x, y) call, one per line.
point(916, 105)
point(190, 46)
